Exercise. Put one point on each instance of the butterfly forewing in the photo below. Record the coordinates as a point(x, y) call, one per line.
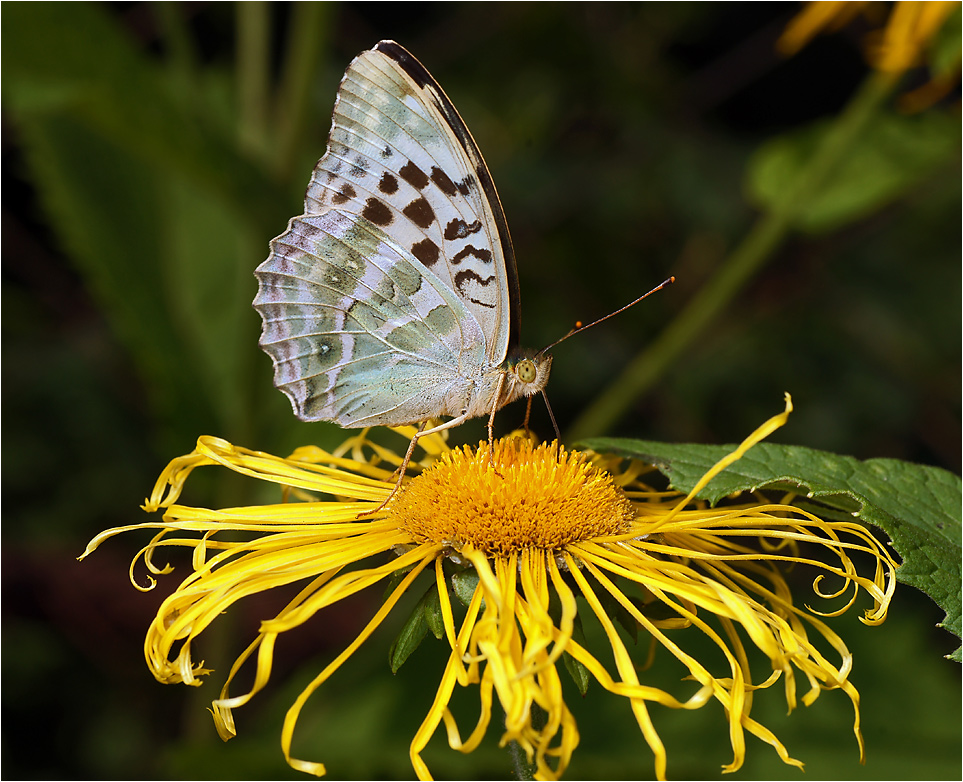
point(400, 156)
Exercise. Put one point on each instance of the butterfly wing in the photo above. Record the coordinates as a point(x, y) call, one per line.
point(400, 155)
point(359, 332)
point(402, 195)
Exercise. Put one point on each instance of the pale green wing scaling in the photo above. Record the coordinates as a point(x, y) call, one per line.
point(394, 297)
point(360, 333)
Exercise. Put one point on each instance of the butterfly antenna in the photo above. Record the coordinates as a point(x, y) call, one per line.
point(579, 327)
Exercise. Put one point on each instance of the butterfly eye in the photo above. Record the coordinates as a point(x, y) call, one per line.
point(525, 369)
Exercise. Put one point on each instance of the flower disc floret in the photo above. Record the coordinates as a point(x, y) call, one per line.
point(520, 497)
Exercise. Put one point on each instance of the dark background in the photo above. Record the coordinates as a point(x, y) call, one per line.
point(622, 138)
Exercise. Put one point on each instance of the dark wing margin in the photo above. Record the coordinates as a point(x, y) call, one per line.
point(419, 74)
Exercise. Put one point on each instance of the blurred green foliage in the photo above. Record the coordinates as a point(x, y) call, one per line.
point(152, 150)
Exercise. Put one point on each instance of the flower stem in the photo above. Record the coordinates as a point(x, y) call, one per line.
point(182, 57)
point(758, 246)
point(523, 769)
point(307, 30)
point(253, 34)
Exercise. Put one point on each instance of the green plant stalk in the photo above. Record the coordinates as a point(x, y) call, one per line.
point(253, 28)
point(758, 246)
point(182, 57)
point(305, 46)
point(520, 765)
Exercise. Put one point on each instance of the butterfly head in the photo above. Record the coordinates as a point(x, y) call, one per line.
point(527, 373)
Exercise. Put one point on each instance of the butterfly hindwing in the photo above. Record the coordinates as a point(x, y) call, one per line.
point(361, 334)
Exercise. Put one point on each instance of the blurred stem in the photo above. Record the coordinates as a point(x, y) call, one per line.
point(520, 765)
point(253, 28)
point(758, 246)
point(303, 51)
point(181, 57)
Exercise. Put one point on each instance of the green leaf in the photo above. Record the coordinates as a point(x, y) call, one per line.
point(147, 190)
point(433, 615)
point(393, 580)
point(919, 507)
point(895, 154)
point(577, 670)
point(208, 255)
point(464, 583)
point(620, 614)
point(125, 95)
point(114, 228)
point(944, 49)
point(425, 616)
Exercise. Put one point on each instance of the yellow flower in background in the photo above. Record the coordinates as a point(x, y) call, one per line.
point(900, 45)
point(536, 527)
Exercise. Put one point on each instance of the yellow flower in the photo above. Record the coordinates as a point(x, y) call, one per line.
point(899, 46)
point(535, 527)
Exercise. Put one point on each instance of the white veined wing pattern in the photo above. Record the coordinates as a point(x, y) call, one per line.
point(394, 297)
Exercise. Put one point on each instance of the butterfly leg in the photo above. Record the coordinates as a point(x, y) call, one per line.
point(558, 434)
point(400, 471)
point(496, 406)
point(528, 415)
point(411, 449)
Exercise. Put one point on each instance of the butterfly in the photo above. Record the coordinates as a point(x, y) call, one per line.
point(394, 298)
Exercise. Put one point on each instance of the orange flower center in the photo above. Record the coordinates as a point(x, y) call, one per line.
point(522, 497)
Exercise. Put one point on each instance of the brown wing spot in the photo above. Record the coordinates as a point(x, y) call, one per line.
point(345, 194)
point(359, 168)
point(376, 212)
point(481, 254)
point(388, 184)
point(426, 251)
point(413, 175)
point(461, 283)
point(386, 152)
point(443, 181)
point(459, 229)
point(465, 186)
point(420, 213)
